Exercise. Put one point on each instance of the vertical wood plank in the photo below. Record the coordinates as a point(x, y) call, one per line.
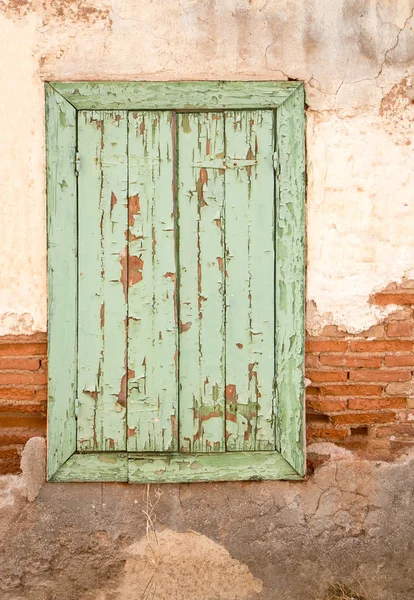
point(250, 280)
point(152, 338)
point(201, 307)
point(62, 278)
point(290, 280)
point(103, 217)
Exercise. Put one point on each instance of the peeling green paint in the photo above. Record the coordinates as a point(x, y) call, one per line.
point(103, 218)
point(201, 280)
point(191, 283)
point(152, 332)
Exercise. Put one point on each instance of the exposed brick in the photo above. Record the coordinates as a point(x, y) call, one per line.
point(410, 402)
point(322, 433)
point(399, 329)
point(23, 349)
point(361, 418)
point(16, 435)
point(16, 393)
point(326, 346)
point(30, 408)
point(312, 391)
point(376, 403)
point(398, 429)
point(400, 389)
point(311, 360)
point(334, 360)
point(23, 422)
point(380, 375)
point(23, 378)
point(381, 346)
point(350, 390)
point(325, 405)
point(19, 364)
point(401, 299)
point(399, 360)
point(320, 376)
point(376, 331)
point(41, 394)
point(10, 465)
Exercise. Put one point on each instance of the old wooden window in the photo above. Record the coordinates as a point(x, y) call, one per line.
point(176, 281)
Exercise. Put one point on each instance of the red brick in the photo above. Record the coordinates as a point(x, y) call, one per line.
point(360, 418)
point(311, 360)
point(398, 429)
point(382, 346)
point(17, 435)
point(9, 466)
point(44, 363)
point(320, 376)
point(401, 299)
point(380, 375)
point(30, 408)
point(399, 360)
point(322, 433)
point(376, 403)
point(323, 405)
point(399, 329)
point(22, 421)
point(312, 391)
point(332, 360)
point(350, 390)
point(23, 349)
point(16, 393)
point(23, 378)
point(19, 364)
point(41, 394)
point(326, 346)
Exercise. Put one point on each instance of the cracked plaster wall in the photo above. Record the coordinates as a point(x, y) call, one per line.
point(356, 58)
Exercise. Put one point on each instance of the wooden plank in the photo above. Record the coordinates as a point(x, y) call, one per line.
point(290, 280)
point(201, 298)
point(102, 466)
point(62, 278)
point(103, 219)
point(186, 468)
point(152, 338)
point(250, 258)
point(173, 95)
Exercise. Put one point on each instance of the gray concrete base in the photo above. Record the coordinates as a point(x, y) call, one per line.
point(352, 522)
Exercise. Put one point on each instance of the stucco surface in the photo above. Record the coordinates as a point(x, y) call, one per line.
point(356, 58)
point(351, 522)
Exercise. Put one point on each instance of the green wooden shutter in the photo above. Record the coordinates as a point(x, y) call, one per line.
point(189, 294)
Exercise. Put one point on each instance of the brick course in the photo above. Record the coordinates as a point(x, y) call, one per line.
point(360, 396)
point(23, 395)
point(366, 404)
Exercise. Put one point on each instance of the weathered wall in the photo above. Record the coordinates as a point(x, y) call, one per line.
point(356, 57)
point(351, 523)
point(352, 520)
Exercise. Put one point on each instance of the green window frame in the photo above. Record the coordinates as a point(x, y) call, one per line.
point(63, 101)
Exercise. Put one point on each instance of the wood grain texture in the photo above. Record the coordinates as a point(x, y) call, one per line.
point(62, 278)
point(103, 220)
point(201, 304)
point(249, 265)
point(153, 331)
point(290, 280)
point(102, 466)
point(231, 466)
point(183, 95)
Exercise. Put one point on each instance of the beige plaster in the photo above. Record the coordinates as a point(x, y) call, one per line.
point(356, 57)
